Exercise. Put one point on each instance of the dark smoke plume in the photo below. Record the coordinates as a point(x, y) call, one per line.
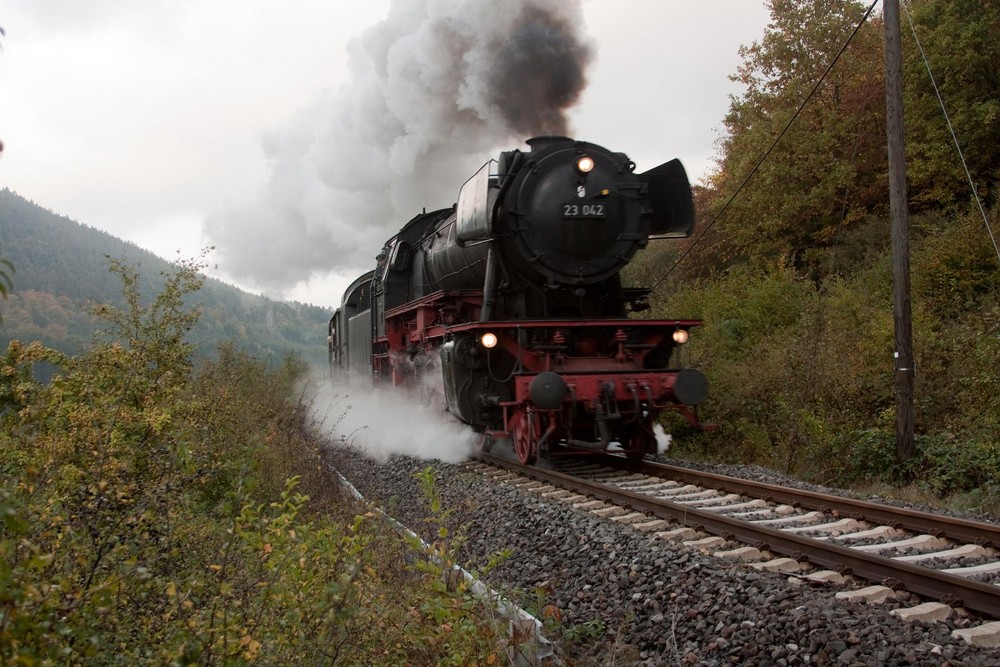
point(435, 88)
point(534, 102)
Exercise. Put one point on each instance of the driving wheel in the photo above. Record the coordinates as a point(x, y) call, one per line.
point(524, 441)
point(642, 442)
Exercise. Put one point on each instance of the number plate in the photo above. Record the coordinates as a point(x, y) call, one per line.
point(584, 210)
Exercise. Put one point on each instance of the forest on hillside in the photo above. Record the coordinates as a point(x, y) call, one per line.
point(790, 265)
point(59, 269)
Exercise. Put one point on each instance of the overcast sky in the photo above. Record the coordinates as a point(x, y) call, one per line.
point(177, 124)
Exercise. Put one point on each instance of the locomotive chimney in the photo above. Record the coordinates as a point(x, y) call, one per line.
point(546, 141)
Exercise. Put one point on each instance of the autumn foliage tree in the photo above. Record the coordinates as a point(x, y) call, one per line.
point(827, 172)
point(961, 40)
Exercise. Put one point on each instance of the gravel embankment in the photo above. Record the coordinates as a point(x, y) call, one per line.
point(628, 598)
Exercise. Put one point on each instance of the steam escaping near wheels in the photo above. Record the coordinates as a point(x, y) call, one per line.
point(385, 422)
point(663, 440)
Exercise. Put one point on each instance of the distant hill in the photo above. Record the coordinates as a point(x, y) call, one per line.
point(61, 270)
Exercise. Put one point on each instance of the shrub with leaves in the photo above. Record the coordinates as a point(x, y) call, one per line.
point(801, 372)
point(151, 513)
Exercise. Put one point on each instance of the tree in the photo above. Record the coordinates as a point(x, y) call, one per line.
point(3, 33)
point(827, 172)
point(6, 283)
point(959, 38)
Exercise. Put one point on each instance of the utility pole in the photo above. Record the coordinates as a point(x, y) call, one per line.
point(902, 319)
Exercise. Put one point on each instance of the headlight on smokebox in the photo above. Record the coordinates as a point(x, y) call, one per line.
point(488, 340)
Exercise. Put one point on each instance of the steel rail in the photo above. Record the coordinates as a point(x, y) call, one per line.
point(961, 530)
point(948, 588)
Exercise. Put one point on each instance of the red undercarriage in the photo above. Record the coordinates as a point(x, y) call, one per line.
point(611, 399)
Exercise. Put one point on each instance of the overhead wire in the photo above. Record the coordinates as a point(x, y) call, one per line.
point(951, 129)
point(769, 150)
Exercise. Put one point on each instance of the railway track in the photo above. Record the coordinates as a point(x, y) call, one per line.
point(899, 548)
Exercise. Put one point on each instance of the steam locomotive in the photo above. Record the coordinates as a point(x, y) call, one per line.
point(508, 308)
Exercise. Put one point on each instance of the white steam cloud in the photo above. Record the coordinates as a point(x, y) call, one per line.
point(434, 88)
point(663, 439)
point(390, 421)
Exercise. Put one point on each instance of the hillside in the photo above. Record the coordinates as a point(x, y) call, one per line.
point(62, 271)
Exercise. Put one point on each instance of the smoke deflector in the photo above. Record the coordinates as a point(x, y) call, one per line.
point(671, 203)
point(473, 210)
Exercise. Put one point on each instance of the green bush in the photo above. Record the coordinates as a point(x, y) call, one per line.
point(801, 374)
point(945, 466)
point(152, 513)
point(791, 364)
point(952, 465)
point(868, 455)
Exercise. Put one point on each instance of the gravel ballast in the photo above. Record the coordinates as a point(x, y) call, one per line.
point(625, 597)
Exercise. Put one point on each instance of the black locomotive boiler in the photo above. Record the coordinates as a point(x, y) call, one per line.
point(509, 306)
